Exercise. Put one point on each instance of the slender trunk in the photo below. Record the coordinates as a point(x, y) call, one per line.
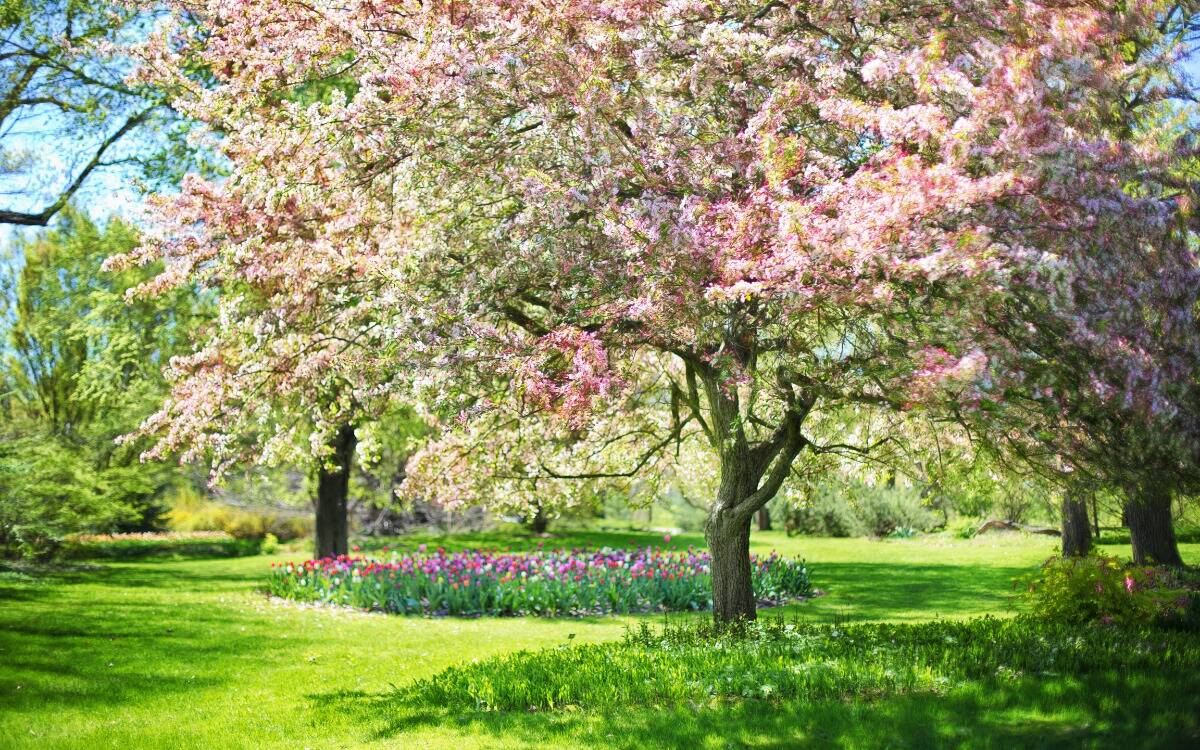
point(764, 519)
point(333, 488)
point(1151, 529)
point(1095, 517)
point(540, 521)
point(1076, 531)
point(750, 477)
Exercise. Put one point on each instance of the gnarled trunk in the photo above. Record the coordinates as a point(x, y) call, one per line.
point(764, 519)
point(733, 590)
point(333, 489)
point(727, 531)
point(1151, 528)
point(1076, 529)
point(751, 474)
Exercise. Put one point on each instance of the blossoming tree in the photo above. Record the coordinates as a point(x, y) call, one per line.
point(587, 232)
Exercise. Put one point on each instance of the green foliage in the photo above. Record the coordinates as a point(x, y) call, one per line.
point(824, 513)
point(883, 510)
point(78, 368)
point(46, 493)
point(776, 660)
point(1081, 590)
point(192, 512)
point(152, 544)
point(963, 528)
point(842, 510)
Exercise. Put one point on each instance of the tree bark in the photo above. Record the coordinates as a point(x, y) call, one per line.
point(727, 531)
point(1076, 529)
point(733, 590)
point(764, 519)
point(333, 489)
point(1151, 529)
point(540, 521)
point(751, 474)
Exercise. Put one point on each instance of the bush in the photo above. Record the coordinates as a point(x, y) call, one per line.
point(192, 512)
point(882, 510)
point(857, 510)
point(771, 660)
point(824, 513)
point(963, 528)
point(579, 582)
point(1080, 590)
point(47, 494)
point(147, 544)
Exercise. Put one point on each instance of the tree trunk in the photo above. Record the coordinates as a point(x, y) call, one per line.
point(750, 477)
point(1076, 530)
point(540, 522)
point(1151, 529)
point(333, 488)
point(732, 589)
point(1095, 516)
point(764, 519)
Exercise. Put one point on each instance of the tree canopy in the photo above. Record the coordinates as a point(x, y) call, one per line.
point(583, 234)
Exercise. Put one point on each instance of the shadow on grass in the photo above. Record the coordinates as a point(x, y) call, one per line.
point(1098, 710)
point(104, 636)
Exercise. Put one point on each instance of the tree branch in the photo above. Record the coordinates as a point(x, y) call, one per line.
point(43, 217)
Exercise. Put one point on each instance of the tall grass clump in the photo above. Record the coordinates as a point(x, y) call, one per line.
point(774, 660)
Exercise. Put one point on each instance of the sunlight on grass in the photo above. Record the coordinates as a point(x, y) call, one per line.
point(189, 653)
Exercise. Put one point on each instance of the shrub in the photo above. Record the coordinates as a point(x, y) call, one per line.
point(773, 660)
point(855, 510)
point(823, 513)
point(578, 582)
point(47, 493)
point(1077, 590)
point(146, 544)
point(191, 512)
point(963, 528)
point(883, 510)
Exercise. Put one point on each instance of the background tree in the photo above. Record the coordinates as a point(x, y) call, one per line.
point(66, 109)
point(80, 368)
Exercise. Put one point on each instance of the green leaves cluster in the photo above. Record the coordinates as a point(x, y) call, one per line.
point(78, 368)
point(1082, 590)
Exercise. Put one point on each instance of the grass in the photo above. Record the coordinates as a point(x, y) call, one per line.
point(188, 653)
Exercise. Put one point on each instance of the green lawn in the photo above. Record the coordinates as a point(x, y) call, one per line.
point(188, 653)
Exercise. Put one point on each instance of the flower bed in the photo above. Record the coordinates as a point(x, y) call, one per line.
point(549, 583)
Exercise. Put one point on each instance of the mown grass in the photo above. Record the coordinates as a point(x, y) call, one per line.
point(189, 654)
